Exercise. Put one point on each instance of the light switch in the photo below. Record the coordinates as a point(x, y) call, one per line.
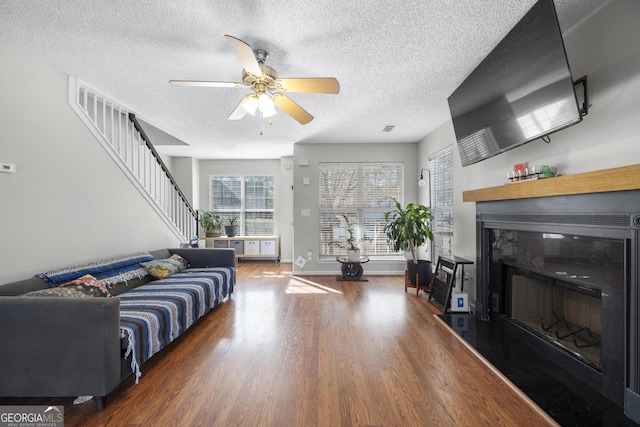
point(305, 180)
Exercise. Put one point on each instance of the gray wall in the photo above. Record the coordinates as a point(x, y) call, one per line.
point(69, 202)
point(282, 191)
point(307, 228)
point(606, 48)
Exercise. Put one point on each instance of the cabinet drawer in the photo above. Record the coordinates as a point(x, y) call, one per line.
point(267, 247)
point(252, 247)
point(238, 245)
point(220, 244)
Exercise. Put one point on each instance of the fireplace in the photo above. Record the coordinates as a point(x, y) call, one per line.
point(566, 289)
point(563, 271)
point(565, 314)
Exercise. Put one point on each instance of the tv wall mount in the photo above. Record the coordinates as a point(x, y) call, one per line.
point(585, 98)
point(585, 103)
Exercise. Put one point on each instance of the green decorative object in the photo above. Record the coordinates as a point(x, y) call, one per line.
point(211, 223)
point(408, 228)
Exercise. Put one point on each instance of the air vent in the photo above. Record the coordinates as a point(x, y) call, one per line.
point(388, 128)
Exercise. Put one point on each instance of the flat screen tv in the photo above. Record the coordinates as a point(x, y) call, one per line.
point(523, 90)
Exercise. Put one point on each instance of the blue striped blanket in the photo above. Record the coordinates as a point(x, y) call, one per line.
point(107, 271)
point(153, 315)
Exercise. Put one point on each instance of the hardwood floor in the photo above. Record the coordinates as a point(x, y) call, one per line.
point(312, 351)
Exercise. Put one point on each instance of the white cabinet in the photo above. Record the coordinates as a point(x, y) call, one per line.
point(268, 247)
point(252, 247)
point(248, 246)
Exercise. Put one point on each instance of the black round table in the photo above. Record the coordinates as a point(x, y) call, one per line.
point(352, 270)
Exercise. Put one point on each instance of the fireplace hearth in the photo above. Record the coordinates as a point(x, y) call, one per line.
point(563, 270)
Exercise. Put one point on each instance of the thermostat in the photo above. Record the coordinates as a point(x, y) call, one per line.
point(8, 168)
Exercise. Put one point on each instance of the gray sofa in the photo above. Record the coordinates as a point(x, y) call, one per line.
point(66, 347)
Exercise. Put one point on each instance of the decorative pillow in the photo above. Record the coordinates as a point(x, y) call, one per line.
point(163, 268)
point(86, 286)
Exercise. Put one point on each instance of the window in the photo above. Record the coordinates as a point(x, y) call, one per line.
point(249, 198)
point(363, 193)
point(441, 167)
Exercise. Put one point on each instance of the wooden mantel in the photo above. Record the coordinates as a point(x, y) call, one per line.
point(616, 179)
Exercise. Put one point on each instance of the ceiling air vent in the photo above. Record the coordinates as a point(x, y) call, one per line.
point(388, 128)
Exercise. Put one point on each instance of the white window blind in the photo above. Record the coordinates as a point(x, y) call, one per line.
point(441, 168)
point(362, 192)
point(249, 198)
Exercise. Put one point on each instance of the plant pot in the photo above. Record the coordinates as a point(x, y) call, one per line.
point(353, 255)
point(231, 230)
point(213, 233)
point(423, 268)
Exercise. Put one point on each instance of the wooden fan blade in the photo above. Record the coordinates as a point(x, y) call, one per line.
point(239, 112)
point(310, 85)
point(195, 83)
point(291, 108)
point(245, 55)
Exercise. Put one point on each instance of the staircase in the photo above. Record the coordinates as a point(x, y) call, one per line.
point(120, 134)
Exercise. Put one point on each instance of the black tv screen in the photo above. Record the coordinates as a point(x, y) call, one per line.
point(521, 91)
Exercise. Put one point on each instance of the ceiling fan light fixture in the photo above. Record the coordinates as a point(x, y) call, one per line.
point(250, 105)
point(265, 103)
point(268, 88)
point(268, 112)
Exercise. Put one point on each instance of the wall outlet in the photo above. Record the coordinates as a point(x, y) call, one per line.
point(301, 262)
point(305, 212)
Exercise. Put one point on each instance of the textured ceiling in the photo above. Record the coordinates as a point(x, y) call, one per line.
point(397, 62)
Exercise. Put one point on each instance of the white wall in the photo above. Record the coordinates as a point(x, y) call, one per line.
point(307, 228)
point(606, 48)
point(285, 209)
point(69, 202)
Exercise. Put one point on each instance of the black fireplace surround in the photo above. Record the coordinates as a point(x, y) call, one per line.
point(563, 271)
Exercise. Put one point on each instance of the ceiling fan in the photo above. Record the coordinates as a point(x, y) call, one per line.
point(268, 88)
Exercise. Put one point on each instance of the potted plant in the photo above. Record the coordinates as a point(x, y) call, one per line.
point(407, 229)
point(231, 228)
point(350, 242)
point(211, 224)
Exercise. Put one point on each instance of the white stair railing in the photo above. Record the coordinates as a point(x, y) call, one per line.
point(117, 129)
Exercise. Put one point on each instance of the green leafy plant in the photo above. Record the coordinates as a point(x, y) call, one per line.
point(349, 241)
point(210, 221)
point(408, 228)
point(232, 220)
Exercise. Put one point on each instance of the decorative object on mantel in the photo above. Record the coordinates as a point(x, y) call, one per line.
point(621, 178)
point(521, 173)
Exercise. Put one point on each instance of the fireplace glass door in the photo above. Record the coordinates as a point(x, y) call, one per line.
point(552, 284)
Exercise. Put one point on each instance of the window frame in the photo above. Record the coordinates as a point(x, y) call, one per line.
point(365, 214)
point(440, 165)
point(243, 210)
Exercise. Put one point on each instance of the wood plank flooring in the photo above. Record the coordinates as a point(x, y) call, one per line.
point(312, 351)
